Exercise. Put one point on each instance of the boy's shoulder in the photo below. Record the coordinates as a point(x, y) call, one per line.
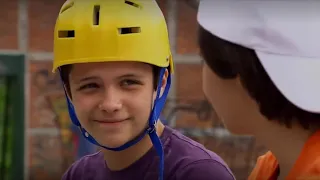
point(184, 159)
point(87, 166)
point(189, 160)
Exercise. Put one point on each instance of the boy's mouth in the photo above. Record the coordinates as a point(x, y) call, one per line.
point(110, 121)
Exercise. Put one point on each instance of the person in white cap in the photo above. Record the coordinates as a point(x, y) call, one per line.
point(262, 76)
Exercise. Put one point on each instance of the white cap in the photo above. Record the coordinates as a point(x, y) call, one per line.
point(284, 34)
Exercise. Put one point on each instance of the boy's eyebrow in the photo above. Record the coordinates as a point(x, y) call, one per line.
point(87, 79)
point(129, 75)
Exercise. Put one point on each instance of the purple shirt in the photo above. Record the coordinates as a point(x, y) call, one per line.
point(185, 159)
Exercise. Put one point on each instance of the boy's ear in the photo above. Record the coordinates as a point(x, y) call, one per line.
point(164, 81)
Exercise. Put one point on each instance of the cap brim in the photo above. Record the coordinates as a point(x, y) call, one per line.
point(297, 78)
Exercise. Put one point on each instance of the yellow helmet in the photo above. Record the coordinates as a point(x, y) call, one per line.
point(111, 30)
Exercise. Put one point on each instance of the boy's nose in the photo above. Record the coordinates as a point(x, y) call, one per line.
point(111, 101)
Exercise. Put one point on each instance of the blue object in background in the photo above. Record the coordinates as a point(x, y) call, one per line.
point(84, 146)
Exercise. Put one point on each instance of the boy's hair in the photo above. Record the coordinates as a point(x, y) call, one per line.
point(66, 69)
point(229, 60)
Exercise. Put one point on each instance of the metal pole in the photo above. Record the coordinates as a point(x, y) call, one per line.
point(5, 127)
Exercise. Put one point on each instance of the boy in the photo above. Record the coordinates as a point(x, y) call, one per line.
point(115, 63)
point(262, 75)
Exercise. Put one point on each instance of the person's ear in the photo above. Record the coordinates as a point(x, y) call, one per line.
point(164, 81)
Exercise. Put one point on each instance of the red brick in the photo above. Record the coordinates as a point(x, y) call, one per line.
point(186, 29)
point(48, 157)
point(48, 110)
point(42, 18)
point(189, 91)
point(9, 24)
point(189, 83)
point(163, 6)
point(47, 106)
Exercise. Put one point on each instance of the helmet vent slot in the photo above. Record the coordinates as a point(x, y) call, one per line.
point(66, 34)
point(132, 4)
point(129, 30)
point(96, 15)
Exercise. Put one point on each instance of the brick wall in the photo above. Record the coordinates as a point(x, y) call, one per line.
point(27, 28)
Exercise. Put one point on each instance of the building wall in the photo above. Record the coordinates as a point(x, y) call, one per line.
point(28, 29)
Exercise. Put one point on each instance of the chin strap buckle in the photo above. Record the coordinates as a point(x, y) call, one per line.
point(151, 128)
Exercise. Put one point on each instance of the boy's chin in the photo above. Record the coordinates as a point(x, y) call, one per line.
point(114, 143)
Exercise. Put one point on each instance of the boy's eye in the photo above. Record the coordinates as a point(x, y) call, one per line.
point(129, 82)
point(88, 86)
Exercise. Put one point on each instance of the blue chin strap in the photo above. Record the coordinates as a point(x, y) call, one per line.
point(151, 129)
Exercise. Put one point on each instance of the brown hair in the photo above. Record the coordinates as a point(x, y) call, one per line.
point(229, 60)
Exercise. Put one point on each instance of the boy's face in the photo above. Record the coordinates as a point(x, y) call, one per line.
point(234, 106)
point(112, 100)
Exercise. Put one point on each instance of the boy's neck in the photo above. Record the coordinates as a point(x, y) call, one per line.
point(118, 160)
point(285, 144)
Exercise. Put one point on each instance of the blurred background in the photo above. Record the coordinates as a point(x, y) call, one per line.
point(37, 139)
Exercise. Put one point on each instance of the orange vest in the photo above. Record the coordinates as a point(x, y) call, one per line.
point(307, 166)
